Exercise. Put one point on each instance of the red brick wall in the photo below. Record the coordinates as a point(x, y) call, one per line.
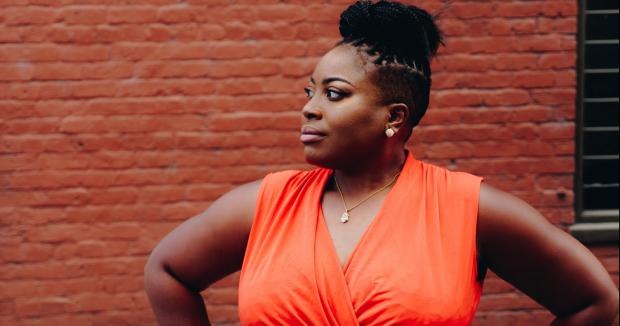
point(119, 119)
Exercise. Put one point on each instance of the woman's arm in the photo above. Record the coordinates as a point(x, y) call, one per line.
point(544, 262)
point(197, 253)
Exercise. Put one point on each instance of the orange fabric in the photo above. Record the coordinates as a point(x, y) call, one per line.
point(414, 265)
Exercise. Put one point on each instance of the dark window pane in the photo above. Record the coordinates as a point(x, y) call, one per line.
point(600, 143)
point(600, 171)
point(600, 198)
point(601, 26)
point(600, 114)
point(601, 84)
point(601, 56)
point(601, 4)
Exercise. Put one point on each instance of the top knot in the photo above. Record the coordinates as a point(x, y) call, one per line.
point(394, 32)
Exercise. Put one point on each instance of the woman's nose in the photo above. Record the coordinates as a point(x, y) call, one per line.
point(311, 112)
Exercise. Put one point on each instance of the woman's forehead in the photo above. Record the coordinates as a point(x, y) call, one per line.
point(343, 61)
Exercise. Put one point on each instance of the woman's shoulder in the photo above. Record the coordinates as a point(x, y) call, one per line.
point(292, 178)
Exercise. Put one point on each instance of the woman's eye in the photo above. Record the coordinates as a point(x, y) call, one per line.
point(309, 92)
point(333, 95)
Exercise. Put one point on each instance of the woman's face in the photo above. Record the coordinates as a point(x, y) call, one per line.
point(342, 124)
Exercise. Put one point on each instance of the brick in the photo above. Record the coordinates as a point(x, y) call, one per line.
point(324, 13)
point(452, 26)
point(466, 63)
point(17, 162)
point(31, 126)
point(505, 27)
point(456, 98)
point(449, 150)
point(279, 49)
point(511, 184)
point(29, 16)
point(133, 52)
point(554, 96)
point(83, 15)
point(69, 287)
point(515, 61)
point(538, 44)
point(565, 78)
point(566, 25)
point(169, 87)
point(93, 302)
point(121, 284)
point(82, 71)
point(39, 271)
point(553, 182)
point(16, 72)
point(276, 31)
point(534, 79)
point(531, 113)
point(177, 14)
point(560, 8)
point(289, 13)
point(561, 130)
point(42, 307)
point(433, 134)
point(137, 15)
point(558, 60)
point(122, 195)
point(470, 10)
point(58, 233)
point(130, 124)
point(26, 253)
point(493, 149)
point(532, 146)
point(250, 121)
point(507, 98)
point(56, 198)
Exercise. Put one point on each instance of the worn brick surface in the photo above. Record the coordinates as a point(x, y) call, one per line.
point(120, 119)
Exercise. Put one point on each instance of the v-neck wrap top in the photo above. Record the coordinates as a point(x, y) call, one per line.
point(414, 265)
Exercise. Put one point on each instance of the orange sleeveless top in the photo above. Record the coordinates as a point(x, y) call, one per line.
point(414, 265)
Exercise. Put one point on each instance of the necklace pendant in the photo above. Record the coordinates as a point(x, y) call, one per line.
point(344, 218)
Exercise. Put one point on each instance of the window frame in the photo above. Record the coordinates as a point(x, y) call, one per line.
point(601, 226)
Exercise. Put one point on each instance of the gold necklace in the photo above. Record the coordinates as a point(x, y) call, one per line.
point(344, 218)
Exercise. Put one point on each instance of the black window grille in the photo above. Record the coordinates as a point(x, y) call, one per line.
point(597, 136)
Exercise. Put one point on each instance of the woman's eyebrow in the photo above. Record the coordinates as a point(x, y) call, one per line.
point(331, 79)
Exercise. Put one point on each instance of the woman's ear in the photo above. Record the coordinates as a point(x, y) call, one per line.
point(398, 115)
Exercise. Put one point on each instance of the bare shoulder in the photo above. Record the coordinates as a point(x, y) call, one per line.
point(501, 210)
point(507, 224)
point(212, 244)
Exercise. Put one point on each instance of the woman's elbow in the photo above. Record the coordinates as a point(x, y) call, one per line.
point(153, 271)
point(610, 303)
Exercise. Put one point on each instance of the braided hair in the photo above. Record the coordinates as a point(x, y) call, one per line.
point(401, 40)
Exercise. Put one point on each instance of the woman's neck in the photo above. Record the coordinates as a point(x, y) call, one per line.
point(372, 175)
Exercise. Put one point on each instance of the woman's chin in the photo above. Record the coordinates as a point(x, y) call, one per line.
point(315, 157)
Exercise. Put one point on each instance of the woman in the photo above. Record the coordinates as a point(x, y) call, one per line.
point(372, 236)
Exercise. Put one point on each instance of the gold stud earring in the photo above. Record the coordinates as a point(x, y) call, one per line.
point(389, 132)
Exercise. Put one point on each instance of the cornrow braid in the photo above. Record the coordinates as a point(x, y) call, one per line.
point(401, 40)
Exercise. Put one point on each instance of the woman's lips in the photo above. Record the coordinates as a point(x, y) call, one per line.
point(311, 138)
point(311, 135)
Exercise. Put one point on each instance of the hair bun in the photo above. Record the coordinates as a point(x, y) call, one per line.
point(396, 32)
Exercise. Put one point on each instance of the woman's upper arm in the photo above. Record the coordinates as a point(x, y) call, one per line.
point(212, 244)
point(546, 263)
